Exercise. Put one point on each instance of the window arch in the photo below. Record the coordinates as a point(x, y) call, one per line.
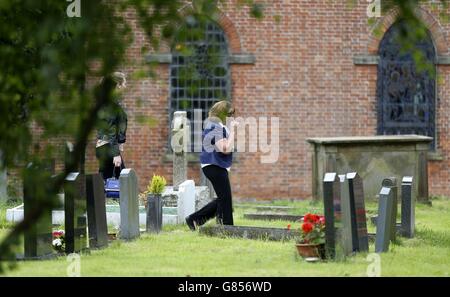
point(199, 72)
point(406, 94)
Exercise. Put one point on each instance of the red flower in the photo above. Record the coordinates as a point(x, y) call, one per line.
point(311, 218)
point(289, 226)
point(307, 227)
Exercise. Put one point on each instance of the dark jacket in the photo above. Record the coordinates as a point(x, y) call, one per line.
point(113, 126)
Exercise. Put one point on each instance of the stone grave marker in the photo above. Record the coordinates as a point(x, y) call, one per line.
point(96, 210)
point(333, 217)
point(385, 223)
point(358, 210)
point(347, 224)
point(129, 205)
point(180, 142)
point(408, 208)
point(38, 238)
point(75, 212)
point(391, 182)
point(274, 234)
point(186, 200)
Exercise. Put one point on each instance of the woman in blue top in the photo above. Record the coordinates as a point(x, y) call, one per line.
point(216, 158)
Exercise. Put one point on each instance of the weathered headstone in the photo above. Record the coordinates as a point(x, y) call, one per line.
point(180, 144)
point(408, 208)
point(129, 204)
point(333, 218)
point(38, 238)
point(154, 220)
point(358, 210)
point(96, 210)
point(385, 222)
point(391, 182)
point(75, 212)
point(347, 226)
point(186, 200)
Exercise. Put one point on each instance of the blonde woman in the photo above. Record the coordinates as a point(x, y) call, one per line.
point(216, 159)
point(111, 132)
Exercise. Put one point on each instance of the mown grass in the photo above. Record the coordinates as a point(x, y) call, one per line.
point(179, 252)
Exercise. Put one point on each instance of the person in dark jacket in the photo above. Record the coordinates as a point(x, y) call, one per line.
point(216, 159)
point(111, 132)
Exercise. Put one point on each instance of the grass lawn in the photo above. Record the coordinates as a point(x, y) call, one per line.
point(179, 252)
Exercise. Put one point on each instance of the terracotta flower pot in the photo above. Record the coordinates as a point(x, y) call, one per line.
point(307, 250)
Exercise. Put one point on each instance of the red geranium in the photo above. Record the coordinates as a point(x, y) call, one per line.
point(312, 229)
point(307, 227)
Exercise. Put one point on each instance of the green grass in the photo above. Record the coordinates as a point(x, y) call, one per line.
point(179, 252)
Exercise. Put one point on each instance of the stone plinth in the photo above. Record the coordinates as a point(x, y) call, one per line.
point(374, 158)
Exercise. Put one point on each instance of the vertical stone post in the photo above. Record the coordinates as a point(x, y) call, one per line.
point(333, 216)
point(129, 204)
point(385, 220)
point(408, 208)
point(391, 182)
point(75, 212)
point(96, 210)
point(180, 143)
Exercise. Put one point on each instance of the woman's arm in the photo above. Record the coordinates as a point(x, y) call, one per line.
point(226, 145)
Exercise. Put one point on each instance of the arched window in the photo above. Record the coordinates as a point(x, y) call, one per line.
point(199, 72)
point(406, 94)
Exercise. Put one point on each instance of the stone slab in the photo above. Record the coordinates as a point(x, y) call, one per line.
point(273, 234)
point(272, 217)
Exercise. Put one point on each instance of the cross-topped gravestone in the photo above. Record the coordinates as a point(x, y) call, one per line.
point(96, 210)
point(75, 212)
point(408, 208)
point(180, 144)
point(359, 234)
point(385, 221)
point(332, 211)
point(129, 204)
point(38, 238)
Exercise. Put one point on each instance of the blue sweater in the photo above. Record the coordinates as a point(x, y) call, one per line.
point(212, 133)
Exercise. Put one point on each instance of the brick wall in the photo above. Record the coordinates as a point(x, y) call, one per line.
point(304, 74)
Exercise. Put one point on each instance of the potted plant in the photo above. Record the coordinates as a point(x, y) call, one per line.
point(154, 203)
point(311, 242)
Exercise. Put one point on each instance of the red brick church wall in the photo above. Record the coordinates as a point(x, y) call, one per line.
point(304, 74)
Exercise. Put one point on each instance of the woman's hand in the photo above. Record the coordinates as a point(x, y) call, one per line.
point(117, 161)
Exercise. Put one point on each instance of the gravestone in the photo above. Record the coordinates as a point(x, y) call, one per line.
point(333, 218)
point(186, 200)
point(96, 210)
point(358, 210)
point(347, 225)
point(408, 208)
point(129, 205)
point(247, 232)
point(38, 238)
point(180, 144)
point(75, 213)
point(385, 221)
point(391, 182)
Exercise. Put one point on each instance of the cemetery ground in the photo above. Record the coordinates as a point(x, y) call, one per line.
point(179, 252)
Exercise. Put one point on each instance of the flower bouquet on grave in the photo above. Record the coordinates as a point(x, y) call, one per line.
point(59, 242)
point(311, 242)
point(154, 203)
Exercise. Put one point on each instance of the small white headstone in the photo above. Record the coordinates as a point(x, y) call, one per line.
point(186, 200)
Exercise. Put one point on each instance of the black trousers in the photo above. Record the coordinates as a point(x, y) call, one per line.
point(221, 207)
point(106, 166)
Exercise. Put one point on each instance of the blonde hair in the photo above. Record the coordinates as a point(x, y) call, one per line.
point(221, 110)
